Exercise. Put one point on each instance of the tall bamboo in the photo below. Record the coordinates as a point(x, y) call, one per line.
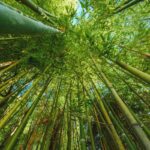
point(52, 118)
point(127, 4)
point(17, 105)
point(69, 123)
point(11, 81)
point(138, 130)
point(82, 132)
point(9, 67)
point(13, 95)
point(106, 116)
point(120, 128)
point(13, 140)
point(36, 8)
point(12, 22)
point(133, 90)
point(142, 75)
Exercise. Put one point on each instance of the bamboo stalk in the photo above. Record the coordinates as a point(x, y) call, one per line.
point(35, 8)
point(53, 115)
point(5, 64)
point(27, 116)
point(142, 75)
point(90, 131)
point(11, 81)
point(9, 67)
point(46, 15)
point(126, 5)
point(113, 130)
point(145, 55)
point(15, 93)
point(108, 136)
point(13, 22)
point(138, 130)
point(133, 90)
point(82, 132)
point(118, 125)
point(69, 124)
point(102, 141)
point(17, 105)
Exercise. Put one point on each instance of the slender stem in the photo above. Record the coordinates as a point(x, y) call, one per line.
point(142, 75)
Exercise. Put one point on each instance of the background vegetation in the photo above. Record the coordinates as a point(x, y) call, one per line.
point(79, 80)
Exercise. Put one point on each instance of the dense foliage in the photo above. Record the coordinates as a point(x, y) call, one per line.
point(81, 81)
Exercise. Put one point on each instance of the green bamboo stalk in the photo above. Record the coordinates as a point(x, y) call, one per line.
point(102, 121)
point(60, 135)
point(15, 93)
point(17, 105)
point(122, 70)
point(138, 130)
point(49, 131)
point(108, 120)
point(5, 64)
point(120, 128)
point(82, 132)
point(76, 135)
point(42, 139)
point(82, 136)
point(126, 5)
point(142, 75)
point(11, 81)
point(146, 130)
point(35, 8)
point(14, 38)
point(27, 116)
point(9, 67)
point(108, 139)
point(13, 22)
point(69, 125)
point(145, 55)
point(46, 15)
point(90, 131)
point(132, 89)
point(57, 127)
point(102, 142)
point(51, 123)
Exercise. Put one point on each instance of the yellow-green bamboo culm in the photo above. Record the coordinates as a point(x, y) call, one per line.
point(138, 130)
point(142, 75)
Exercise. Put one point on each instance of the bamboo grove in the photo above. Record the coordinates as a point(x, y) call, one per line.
point(74, 75)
